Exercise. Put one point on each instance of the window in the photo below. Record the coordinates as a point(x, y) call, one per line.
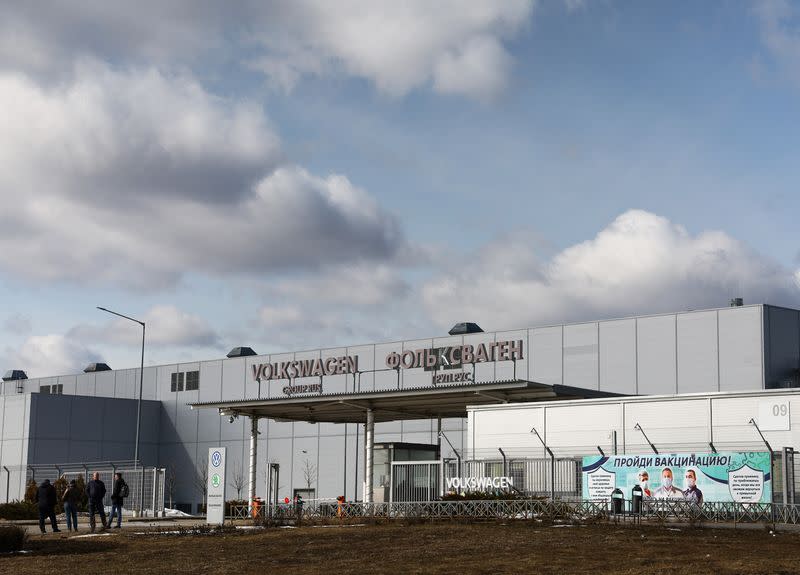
point(177, 382)
point(55, 389)
point(192, 380)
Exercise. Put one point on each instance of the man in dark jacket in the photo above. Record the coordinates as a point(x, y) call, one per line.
point(119, 491)
point(46, 498)
point(96, 491)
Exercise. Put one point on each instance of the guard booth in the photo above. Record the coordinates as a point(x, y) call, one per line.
point(386, 470)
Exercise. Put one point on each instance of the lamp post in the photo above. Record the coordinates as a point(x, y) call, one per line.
point(138, 404)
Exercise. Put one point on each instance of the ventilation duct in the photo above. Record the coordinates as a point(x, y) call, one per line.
point(14, 375)
point(93, 367)
point(465, 328)
point(241, 352)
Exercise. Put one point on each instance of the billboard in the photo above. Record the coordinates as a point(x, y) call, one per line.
point(741, 477)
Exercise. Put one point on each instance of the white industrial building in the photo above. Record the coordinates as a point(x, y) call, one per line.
point(708, 373)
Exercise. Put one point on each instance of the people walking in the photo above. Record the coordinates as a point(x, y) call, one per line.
point(119, 491)
point(96, 491)
point(71, 499)
point(46, 497)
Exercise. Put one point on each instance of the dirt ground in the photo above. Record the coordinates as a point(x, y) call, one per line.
point(528, 547)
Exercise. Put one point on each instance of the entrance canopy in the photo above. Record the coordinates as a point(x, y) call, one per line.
point(400, 404)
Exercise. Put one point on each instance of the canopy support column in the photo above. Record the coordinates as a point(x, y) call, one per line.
point(253, 461)
point(369, 447)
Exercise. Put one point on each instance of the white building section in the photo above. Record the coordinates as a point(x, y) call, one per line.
point(722, 421)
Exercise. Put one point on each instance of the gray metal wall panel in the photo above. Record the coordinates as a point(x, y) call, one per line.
point(697, 352)
point(383, 379)
point(618, 356)
point(783, 352)
point(414, 377)
point(233, 378)
point(280, 451)
point(126, 384)
point(483, 371)
point(740, 357)
point(581, 356)
point(304, 461)
point(656, 361)
point(70, 384)
point(505, 370)
point(331, 467)
point(104, 383)
point(547, 355)
point(366, 363)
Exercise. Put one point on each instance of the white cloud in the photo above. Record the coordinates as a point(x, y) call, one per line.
point(399, 46)
point(165, 325)
point(640, 263)
point(18, 324)
point(133, 177)
point(359, 285)
point(50, 355)
point(453, 46)
point(780, 33)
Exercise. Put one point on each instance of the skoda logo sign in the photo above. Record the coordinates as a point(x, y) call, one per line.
point(216, 458)
point(215, 481)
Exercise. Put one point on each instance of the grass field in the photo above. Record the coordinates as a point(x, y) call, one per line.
point(527, 547)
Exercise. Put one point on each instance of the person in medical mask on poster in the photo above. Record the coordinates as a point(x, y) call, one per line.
point(644, 483)
point(667, 489)
point(692, 493)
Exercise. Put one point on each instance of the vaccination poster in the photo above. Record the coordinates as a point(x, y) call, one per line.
point(741, 477)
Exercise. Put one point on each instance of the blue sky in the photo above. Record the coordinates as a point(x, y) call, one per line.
point(292, 175)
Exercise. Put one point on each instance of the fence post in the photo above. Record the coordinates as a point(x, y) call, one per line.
point(155, 487)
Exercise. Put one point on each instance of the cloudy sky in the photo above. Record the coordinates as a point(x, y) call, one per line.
point(288, 175)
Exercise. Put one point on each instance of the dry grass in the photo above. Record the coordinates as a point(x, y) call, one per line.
point(527, 547)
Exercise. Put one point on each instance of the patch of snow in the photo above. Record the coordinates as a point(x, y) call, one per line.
point(175, 513)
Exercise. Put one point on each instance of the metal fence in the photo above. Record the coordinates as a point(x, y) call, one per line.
point(414, 481)
point(146, 484)
point(530, 476)
point(424, 481)
point(528, 509)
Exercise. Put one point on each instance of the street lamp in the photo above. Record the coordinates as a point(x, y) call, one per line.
point(138, 405)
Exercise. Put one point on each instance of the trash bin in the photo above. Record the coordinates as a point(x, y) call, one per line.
point(256, 507)
point(636, 500)
point(617, 501)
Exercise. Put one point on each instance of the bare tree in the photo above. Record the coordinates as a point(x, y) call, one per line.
point(201, 478)
point(237, 480)
point(171, 479)
point(309, 473)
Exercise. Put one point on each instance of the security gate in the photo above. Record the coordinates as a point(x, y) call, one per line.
point(414, 481)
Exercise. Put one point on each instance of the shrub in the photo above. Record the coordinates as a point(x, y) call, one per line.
point(19, 510)
point(60, 486)
point(12, 538)
point(30, 491)
point(83, 505)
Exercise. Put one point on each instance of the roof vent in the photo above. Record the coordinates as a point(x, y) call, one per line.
point(14, 375)
point(465, 328)
point(93, 367)
point(737, 302)
point(241, 352)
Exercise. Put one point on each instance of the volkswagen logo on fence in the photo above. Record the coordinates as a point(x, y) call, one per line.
point(216, 458)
